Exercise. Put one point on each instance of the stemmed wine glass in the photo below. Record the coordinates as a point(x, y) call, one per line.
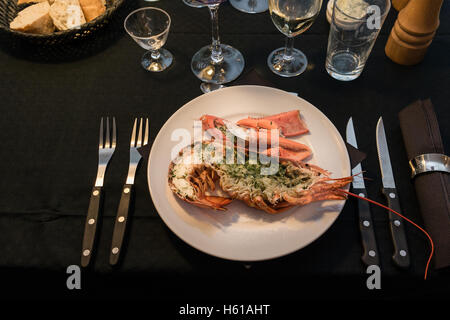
point(291, 17)
point(250, 6)
point(194, 3)
point(217, 63)
point(149, 27)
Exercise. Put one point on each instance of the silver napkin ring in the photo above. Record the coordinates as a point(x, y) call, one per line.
point(429, 162)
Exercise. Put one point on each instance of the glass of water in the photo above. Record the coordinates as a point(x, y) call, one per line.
point(355, 25)
point(149, 27)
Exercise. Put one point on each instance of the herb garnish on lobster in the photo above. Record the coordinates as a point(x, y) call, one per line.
point(293, 183)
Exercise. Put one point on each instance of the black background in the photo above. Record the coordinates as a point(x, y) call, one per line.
point(49, 128)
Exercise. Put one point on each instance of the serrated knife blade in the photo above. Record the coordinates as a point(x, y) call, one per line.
point(358, 179)
point(383, 156)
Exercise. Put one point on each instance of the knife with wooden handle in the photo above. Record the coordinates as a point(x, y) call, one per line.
point(396, 223)
point(369, 243)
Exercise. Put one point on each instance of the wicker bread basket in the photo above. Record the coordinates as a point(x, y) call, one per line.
point(60, 44)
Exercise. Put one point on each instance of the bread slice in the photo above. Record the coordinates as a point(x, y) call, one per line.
point(34, 19)
point(30, 1)
point(92, 8)
point(67, 14)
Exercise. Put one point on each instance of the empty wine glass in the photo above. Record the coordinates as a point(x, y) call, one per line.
point(250, 6)
point(194, 3)
point(291, 17)
point(149, 27)
point(217, 63)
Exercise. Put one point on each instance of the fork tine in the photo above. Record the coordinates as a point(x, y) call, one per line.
point(107, 142)
point(146, 132)
point(100, 144)
point(114, 133)
point(139, 140)
point(133, 134)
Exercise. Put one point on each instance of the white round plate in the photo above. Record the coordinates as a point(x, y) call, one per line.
point(243, 233)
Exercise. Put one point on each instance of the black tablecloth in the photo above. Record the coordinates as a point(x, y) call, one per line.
point(49, 127)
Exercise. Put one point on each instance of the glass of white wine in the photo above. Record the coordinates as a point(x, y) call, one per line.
point(291, 17)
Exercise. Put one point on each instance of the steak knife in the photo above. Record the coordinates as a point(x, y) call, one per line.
point(401, 251)
point(369, 243)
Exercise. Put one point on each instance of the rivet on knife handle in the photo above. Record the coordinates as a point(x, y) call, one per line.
point(401, 252)
point(120, 224)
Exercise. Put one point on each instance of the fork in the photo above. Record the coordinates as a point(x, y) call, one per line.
point(124, 204)
point(105, 152)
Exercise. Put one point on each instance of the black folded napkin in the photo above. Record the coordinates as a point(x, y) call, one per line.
point(145, 151)
point(421, 135)
point(252, 77)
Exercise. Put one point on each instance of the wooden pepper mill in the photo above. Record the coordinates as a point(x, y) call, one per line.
point(413, 31)
point(399, 4)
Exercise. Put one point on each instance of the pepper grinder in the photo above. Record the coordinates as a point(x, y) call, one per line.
point(413, 31)
point(399, 4)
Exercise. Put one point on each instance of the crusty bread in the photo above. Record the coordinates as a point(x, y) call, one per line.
point(92, 8)
point(30, 1)
point(67, 14)
point(34, 19)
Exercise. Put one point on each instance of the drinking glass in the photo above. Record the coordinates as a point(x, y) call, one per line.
point(354, 28)
point(217, 63)
point(149, 27)
point(194, 3)
point(250, 6)
point(291, 17)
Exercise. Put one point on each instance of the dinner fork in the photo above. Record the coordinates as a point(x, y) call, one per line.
point(106, 147)
point(124, 204)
